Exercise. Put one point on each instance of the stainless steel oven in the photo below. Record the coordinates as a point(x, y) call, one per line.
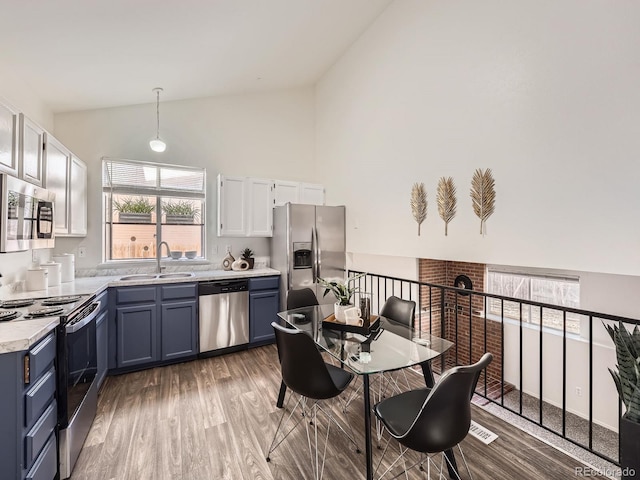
point(77, 389)
point(26, 215)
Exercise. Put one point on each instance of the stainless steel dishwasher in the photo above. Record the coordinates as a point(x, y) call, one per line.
point(224, 314)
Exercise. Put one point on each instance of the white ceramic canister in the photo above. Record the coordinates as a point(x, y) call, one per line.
point(37, 278)
point(68, 266)
point(55, 272)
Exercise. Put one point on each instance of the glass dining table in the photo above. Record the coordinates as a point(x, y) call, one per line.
point(393, 346)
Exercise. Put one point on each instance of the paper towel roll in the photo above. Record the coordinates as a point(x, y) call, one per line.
point(55, 272)
point(68, 266)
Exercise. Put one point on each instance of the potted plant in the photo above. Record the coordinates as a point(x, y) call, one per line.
point(134, 210)
point(181, 212)
point(627, 380)
point(343, 292)
point(247, 254)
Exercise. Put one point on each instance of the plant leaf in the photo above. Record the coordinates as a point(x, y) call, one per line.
point(483, 195)
point(419, 203)
point(446, 198)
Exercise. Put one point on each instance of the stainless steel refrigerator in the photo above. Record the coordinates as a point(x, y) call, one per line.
point(308, 242)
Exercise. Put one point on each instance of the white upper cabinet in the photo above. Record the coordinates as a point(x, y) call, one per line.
point(78, 198)
point(245, 204)
point(244, 207)
point(66, 176)
point(260, 212)
point(31, 151)
point(286, 192)
point(312, 193)
point(297, 192)
point(231, 206)
point(57, 181)
point(8, 139)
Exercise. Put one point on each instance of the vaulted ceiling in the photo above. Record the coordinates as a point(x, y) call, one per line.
point(86, 54)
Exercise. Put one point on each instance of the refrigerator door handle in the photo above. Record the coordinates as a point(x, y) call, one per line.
point(317, 260)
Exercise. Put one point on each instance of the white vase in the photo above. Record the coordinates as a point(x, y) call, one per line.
point(338, 311)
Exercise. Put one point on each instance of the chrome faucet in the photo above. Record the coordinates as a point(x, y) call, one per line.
point(158, 249)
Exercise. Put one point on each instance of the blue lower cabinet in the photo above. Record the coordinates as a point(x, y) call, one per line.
point(264, 302)
point(179, 330)
point(102, 347)
point(152, 325)
point(28, 445)
point(137, 335)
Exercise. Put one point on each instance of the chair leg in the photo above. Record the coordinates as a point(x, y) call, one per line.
point(275, 445)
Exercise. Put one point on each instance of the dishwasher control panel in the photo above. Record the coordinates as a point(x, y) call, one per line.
point(222, 286)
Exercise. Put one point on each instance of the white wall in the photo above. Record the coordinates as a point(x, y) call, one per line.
point(268, 135)
point(543, 93)
point(19, 94)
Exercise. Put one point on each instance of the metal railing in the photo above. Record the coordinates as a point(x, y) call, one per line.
point(461, 316)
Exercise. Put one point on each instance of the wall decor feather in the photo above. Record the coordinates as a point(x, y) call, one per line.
point(419, 203)
point(446, 201)
point(483, 195)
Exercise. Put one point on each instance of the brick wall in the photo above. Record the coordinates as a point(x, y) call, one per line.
point(469, 336)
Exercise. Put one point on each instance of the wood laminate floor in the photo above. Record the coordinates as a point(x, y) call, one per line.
point(214, 418)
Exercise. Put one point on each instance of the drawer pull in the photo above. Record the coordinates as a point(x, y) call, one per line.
point(27, 376)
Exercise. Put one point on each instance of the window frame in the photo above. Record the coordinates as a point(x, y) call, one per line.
point(159, 193)
point(530, 315)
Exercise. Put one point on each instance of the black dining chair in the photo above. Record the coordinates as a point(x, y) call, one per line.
point(403, 312)
point(303, 297)
point(305, 373)
point(433, 420)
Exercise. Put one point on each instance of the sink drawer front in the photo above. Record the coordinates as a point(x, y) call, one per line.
point(181, 290)
point(38, 397)
point(41, 357)
point(135, 294)
point(264, 283)
point(38, 435)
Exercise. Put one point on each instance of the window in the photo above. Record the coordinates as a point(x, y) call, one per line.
point(562, 291)
point(146, 203)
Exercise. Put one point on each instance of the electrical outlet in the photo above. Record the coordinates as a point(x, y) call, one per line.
point(579, 391)
point(82, 252)
point(214, 249)
point(34, 255)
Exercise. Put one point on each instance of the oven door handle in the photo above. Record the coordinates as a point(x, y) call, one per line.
point(88, 319)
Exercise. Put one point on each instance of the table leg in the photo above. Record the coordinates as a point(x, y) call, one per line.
point(367, 427)
point(283, 390)
point(427, 373)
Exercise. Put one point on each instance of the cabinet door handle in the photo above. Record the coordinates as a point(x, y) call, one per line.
point(27, 369)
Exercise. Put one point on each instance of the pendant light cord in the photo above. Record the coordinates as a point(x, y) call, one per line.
point(158, 113)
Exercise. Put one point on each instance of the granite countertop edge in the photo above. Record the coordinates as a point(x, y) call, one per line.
point(22, 335)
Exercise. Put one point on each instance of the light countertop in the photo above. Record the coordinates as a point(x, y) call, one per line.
point(22, 334)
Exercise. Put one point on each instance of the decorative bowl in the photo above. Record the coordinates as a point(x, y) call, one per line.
point(176, 254)
point(191, 254)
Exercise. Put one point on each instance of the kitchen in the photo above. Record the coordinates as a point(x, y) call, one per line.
point(294, 131)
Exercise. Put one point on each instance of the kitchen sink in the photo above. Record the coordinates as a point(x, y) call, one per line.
point(176, 275)
point(140, 276)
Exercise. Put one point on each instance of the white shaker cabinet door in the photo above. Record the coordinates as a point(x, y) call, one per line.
point(260, 203)
point(31, 151)
point(231, 206)
point(57, 181)
point(8, 140)
point(286, 192)
point(311, 194)
point(78, 198)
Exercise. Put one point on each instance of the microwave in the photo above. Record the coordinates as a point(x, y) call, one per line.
point(26, 215)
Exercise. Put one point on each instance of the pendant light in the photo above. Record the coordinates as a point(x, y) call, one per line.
point(156, 144)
